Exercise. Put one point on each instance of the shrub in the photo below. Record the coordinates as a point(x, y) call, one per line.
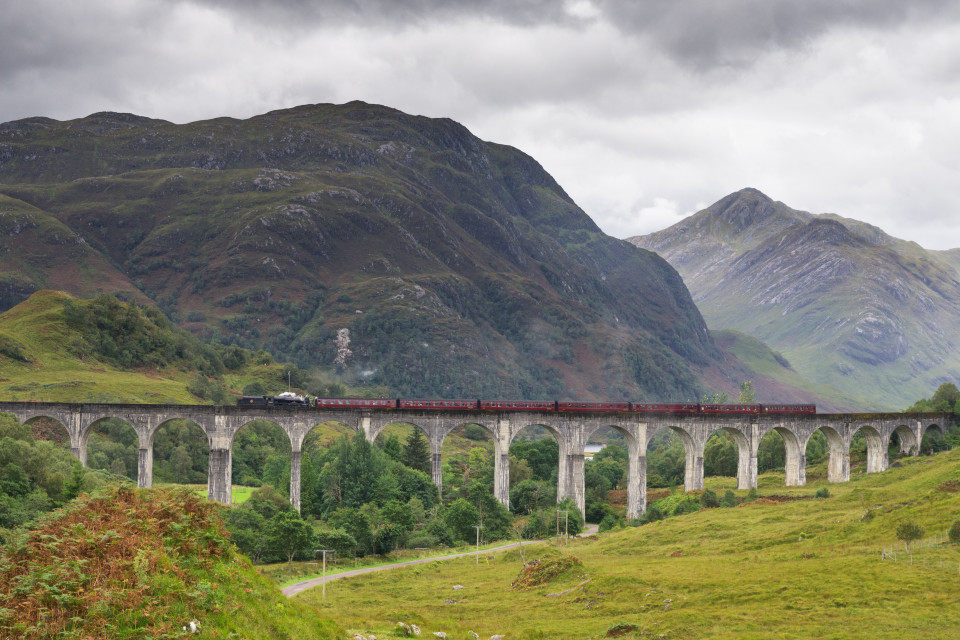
point(421, 541)
point(620, 629)
point(610, 521)
point(652, 514)
point(475, 432)
point(729, 499)
point(254, 389)
point(13, 349)
point(954, 533)
point(822, 493)
point(709, 499)
point(752, 495)
point(538, 572)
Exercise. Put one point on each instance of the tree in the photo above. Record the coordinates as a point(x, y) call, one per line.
point(255, 389)
point(248, 529)
point(945, 397)
point(717, 398)
point(721, 456)
point(398, 514)
point(393, 448)
point(73, 486)
point(574, 521)
point(530, 495)
point(289, 534)
point(416, 453)
point(519, 471)
point(461, 517)
point(543, 456)
point(341, 542)
point(268, 502)
point(954, 532)
point(361, 465)
point(909, 531)
point(356, 524)
point(746, 393)
point(494, 517)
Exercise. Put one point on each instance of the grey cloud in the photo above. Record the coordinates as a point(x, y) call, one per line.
point(706, 33)
point(697, 33)
point(310, 13)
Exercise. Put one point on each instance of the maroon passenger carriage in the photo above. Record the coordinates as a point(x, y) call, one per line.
point(356, 403)
point(729, 408)
point(517, 405)
point(438, 405)
point(599, 407)
point(788, 408)
point(664, 407)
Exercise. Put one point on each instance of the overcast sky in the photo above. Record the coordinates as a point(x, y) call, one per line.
point(644, 111)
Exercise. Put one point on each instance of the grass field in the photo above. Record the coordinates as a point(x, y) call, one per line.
point(238, 494)
point(785, 566)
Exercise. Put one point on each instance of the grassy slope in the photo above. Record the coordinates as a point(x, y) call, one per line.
point(55, 374)
point(141, 564)
point(722, 573)
point(773, 376)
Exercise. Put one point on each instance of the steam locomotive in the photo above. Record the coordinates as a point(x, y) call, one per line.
point(551, 406)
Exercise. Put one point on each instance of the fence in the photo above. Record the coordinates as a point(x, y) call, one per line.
point(934, 551)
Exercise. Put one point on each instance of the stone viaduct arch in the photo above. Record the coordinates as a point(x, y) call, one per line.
point(572, 431)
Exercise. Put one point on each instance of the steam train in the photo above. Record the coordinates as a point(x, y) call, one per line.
point(551, 406)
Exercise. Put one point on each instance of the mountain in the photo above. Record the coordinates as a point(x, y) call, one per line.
point(458, 267)
point(849, 306)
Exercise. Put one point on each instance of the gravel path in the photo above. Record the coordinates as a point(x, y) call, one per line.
point(296, 588)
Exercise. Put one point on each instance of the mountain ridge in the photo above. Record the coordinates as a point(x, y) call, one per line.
point(458, 266)
point(845, 302)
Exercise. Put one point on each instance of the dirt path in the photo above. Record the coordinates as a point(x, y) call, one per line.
point(296, 588)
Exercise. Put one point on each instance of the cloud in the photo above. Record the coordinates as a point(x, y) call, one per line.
point(643, 111)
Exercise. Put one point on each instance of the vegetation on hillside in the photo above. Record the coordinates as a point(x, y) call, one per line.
point(946, 399)
point(439, 253)
point(36, 476)
point(57, 348)
point(129, 563)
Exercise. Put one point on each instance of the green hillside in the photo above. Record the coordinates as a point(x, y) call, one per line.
point(776, 377)
point(128, 563)
point(54, 348)
point(786, 565)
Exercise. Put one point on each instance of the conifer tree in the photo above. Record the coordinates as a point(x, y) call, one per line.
point(416, 453)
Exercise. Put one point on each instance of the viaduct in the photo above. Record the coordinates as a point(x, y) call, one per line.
point(571, 430)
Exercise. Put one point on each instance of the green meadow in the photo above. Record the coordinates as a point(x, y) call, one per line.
point(787, 565)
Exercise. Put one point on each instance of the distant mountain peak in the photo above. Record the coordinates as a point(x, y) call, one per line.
point(850, 306)
point(748, 207)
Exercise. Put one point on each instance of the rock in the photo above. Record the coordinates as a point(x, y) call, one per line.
point(473, 635)
point(440, 634)
point(403, 629)
point(415, 629)
point(457, 587)
point(496, 637)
